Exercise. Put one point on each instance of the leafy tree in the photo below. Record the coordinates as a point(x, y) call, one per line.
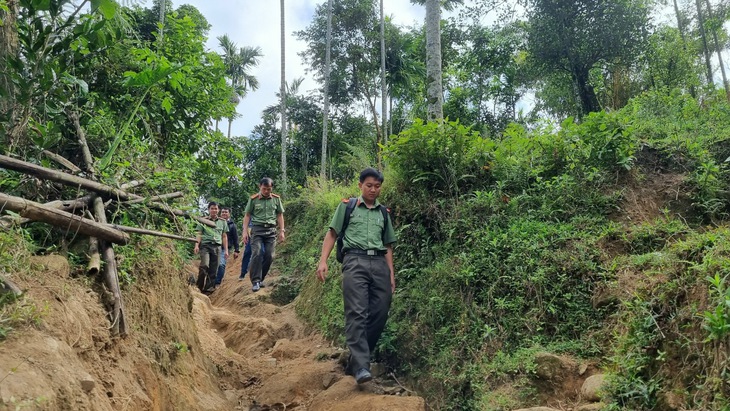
point(575, 36)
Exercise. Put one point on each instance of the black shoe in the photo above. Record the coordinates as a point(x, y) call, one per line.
point(363, 375)
point(256, 286)
point(261, 284)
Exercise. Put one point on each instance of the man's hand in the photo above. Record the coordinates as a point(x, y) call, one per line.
point(322, 270)
point(235, 254)
point(196, 249)
point(282, 236)
point(244, 238)
point(225, 253)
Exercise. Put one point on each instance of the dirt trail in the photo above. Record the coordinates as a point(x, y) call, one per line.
point(270, 362)
point(185, 351)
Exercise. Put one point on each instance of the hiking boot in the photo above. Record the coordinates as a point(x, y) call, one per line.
point(256, 286)
point(363, 375)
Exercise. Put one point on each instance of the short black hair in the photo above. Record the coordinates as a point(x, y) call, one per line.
point(266, 181)
point(225, 209)
point(211, 204)
point(371, 172)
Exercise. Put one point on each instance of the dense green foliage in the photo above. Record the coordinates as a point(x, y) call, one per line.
point(502, 249)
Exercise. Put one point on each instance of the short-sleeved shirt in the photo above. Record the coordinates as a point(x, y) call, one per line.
point(264, 210)
point(365, 229)
point(210, 235)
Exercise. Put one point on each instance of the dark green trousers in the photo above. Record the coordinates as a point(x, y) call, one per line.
point(367, 295)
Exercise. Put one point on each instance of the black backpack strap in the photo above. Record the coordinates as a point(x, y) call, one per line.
point(348, 210)
point(384, 210)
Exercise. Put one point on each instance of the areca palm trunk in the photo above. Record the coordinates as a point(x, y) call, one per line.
point(705, 48)
point(719, 53)
point(384, 101)
point(283, 100)
point(326, 109)
point(434, 85)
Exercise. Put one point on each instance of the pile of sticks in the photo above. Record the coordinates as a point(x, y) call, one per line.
point(87, 216)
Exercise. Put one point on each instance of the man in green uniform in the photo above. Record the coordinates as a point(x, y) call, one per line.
point(368, 276)
point(265, 211)
point(208, 243)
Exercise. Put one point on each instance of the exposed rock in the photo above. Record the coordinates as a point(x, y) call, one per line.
point(592, 387)
point(554, 368)
point(328, 380)
point(87, 383)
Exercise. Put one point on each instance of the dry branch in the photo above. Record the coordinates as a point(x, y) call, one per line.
point(81, 134)
point(62, 161)
point(61, 219)
point(103, 189)
point(111, 276)
point(69, 206)
point(176, 194)
point(94, 265)
point(136, 230)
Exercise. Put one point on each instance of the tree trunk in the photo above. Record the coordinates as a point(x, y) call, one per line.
point(434, 80)
point(588, 100)
point(383, 91)
point(8, 52)
point(61, 219)
point(326, 96)
point(705, 48)
point(283, 99)
point(682, 29)
point(94, 265)
point(230, 123)
point(718, 50)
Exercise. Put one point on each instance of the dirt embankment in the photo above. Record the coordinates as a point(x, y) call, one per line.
point(185, 351)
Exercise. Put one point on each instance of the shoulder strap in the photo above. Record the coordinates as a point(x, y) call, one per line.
point(275, 195)
point(348, 210)
point(385, 211)
point(254, 196)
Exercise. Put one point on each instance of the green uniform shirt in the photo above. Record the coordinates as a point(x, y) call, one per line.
point(365, 230)
point(264, 210)
point(210, 235)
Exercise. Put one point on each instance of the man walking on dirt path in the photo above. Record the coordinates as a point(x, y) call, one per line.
point(264, 211)
point(208, 243)
point(368, 276)
point(232, 236)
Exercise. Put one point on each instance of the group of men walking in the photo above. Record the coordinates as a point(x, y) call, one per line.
point(264, 216)
point(364, 231)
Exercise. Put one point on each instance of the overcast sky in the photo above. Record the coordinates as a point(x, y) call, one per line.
point(257, 23)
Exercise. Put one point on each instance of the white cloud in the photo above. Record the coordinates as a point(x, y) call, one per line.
point(257, 23)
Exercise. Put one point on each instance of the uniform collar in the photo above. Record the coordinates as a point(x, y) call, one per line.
point(360, 200)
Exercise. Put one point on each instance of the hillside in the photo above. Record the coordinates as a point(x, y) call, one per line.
point(186, 351)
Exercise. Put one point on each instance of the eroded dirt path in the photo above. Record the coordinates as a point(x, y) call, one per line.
point(268, 361)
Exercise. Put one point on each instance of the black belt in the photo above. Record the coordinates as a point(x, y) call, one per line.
point(358, 251)
point(265, 225)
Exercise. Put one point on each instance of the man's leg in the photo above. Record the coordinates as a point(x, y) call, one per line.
point(203, 267)
point(256, 255)
point(246, 259)
point(213, 269)
point(221, 269)
point(381, 295)
point(269, 247)
point(355, 283)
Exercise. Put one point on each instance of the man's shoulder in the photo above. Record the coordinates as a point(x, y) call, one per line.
point(275, 195)
point(255, 196)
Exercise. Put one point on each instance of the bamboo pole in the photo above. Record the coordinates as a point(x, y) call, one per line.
point(168, 196)
point(62, 161)
point(136, 230)
point(62, 219)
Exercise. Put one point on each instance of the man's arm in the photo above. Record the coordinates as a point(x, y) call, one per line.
point(389, 260)
point(225, 245)
point(327, 245)
point(198, 238)
point(244, 233)
point(280, 222)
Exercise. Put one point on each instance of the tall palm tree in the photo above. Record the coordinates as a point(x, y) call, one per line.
point(718, 50)
point(326, 109)
point(283, 99)
point(238, 63)
point(384, 101)
point(434, 75)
